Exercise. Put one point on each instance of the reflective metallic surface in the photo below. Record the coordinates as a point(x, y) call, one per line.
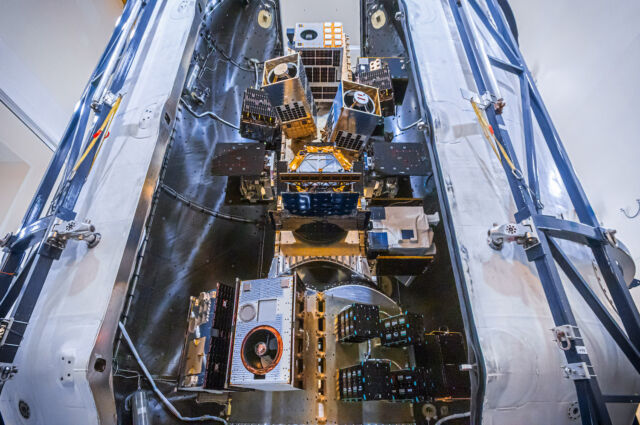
point(353, 116)
point(285, 83)
point(295, 407)
point(187, 251)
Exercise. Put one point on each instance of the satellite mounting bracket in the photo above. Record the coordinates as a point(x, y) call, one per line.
point(564, 334)
point(577, 371)
point(483, 101)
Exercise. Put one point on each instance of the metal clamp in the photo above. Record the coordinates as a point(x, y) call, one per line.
point(577, 371)
point(7, 372)
point(564, 335)
point(62, 231)
point(421, 126)
point(483, 101)
point(610, 236)
point(5, 328)
point(6, 240)
point(109, 98)
point(467, 367)
point(522, 234)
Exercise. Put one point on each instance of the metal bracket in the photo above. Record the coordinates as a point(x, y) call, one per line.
point(468, 367)
point(67, 368)
point(610, 236)
point(577, 371)
point(108, 98)
point(7, 372)
point(62, 231)
point(6, 240)
point(26, 236)
point(421, 125)
point(522, 234)
point(483, 102)
point(564, 335)
point(5, 328)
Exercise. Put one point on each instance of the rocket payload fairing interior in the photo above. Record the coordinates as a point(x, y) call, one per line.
point(305, 220)
point(316, 290)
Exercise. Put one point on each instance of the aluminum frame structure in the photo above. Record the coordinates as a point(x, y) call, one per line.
point(30, 252)
point(547, 254)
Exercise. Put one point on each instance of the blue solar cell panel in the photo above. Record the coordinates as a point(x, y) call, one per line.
point(378, 241)
point(320, 204)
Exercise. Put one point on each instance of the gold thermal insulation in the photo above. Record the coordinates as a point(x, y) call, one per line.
point(337, 154)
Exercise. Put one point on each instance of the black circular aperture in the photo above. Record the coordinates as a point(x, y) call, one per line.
point(309, 35)
point(320, 232)
point(261, 350)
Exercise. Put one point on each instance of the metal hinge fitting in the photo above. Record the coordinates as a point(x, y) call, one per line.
point(577, 371)
point(522, 234)
point(564, 335)
point(62, 231)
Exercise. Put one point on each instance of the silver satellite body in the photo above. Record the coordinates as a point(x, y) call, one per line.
point(286, 85)
point(354, 115)
point(264, 349)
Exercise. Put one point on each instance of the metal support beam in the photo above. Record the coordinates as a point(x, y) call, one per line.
point(603, 253)
point(561, 160)
point(9, 297)
point(505, 66)
point(28, 235)
point(569, 230)
point(632, 398)
point(592, 405)
point(527, 124)
point(596, 305)
point(612, 274)
point(508, 50)
point(22, 314)
point(589, 393)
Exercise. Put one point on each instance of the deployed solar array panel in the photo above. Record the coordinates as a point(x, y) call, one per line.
point(400, 159)
point(238, 159)
point(320, 204)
